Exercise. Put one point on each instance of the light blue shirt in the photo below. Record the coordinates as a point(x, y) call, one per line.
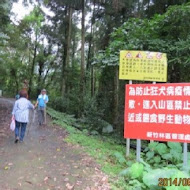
point(42, 100)
point(21, 110)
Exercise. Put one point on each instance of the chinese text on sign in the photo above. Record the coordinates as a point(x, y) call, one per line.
point(158, 112)
point(143, 65)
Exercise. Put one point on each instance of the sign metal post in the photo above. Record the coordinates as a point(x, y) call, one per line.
point(144, 66)
point(127, 147)
point(128, 140)
point(185, 156)
point(138, 150)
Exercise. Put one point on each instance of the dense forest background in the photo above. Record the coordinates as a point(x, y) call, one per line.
point(74, 52)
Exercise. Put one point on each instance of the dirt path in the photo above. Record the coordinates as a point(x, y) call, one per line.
point(44, 161)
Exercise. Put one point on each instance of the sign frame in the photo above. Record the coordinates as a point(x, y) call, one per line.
point(143, 66)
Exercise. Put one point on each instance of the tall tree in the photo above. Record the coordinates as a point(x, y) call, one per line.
point(67, 50)
point(32, 27)
point(82, 82)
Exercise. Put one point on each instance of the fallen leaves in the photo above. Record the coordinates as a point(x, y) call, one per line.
point(20, 178)
point(29, 182)
point(40, 168)
point(78, 182)
point(104, 179)
point(46, 178)
point(66, 179)
point(69, 186)
point(50, 165)
point(6, 168)
point(75, 175)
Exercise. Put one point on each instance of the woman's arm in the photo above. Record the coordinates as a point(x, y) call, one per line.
point(30, 105)
point(36, 104)
point(47, 99)
point(14, 110)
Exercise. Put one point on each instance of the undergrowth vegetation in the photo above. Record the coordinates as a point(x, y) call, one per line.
point(159, 160)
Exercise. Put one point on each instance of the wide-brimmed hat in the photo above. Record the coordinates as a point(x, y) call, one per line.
point(43, 90)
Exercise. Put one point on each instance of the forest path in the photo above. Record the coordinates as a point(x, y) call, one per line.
point(44, 161)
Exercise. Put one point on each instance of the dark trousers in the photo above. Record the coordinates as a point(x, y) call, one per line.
point(41, 114)
point(20, 130)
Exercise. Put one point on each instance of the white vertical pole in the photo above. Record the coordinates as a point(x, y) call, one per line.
point(138, 150)
point(128, 140)
point(185, 156)
point(127, 147)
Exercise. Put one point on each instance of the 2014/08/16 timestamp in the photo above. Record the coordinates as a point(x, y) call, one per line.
point(164, 182)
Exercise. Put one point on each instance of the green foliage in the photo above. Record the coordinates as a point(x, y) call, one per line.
point(153, 145)
point(136, 170)
point(162, 148)
point(121, 159)
point(162, 154)
point(151, 179)
point(67, 119)
point(164, 33)
point(5, 8)
point(148, 178)
point(34, 20)
point(168, 32)
point(92, 116)
point(175, 146)
point(179, 175)
point(107, 152)
point(150, 155)
point(110, 155)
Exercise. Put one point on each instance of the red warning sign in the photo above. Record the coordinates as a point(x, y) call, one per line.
point(158, 112)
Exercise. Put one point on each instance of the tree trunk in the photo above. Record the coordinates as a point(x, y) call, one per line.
point(69, 36)
point(67, 52)
point(74, 46)
point(148, 9)
point(68, 48)
point(89, 54)
point(116, 97)
point(92, 81)
point(82, 82)
point(40, 71)
point(32, 68)
point(91, 39)
point(63, 82)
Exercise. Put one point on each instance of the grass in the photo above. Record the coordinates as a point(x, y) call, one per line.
point(105, 151)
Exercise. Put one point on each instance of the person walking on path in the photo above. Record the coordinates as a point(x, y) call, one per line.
point(20, 114)
point(17, 96)
point(42, 100)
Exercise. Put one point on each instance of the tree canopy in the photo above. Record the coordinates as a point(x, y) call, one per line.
point(74, 51)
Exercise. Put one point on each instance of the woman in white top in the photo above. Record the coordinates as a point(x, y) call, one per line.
point(21, 115)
